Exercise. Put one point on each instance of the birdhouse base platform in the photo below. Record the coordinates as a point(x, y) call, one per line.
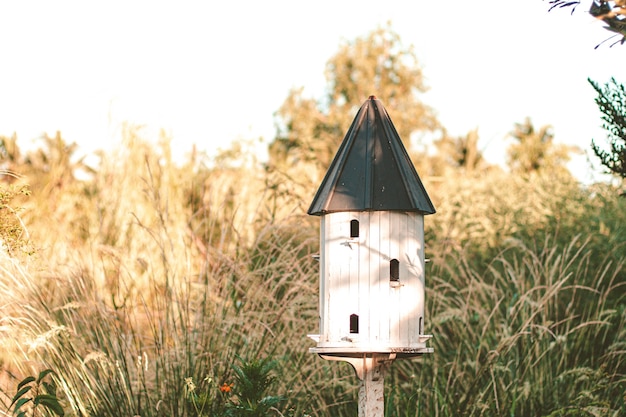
point(400, 352)
point(347, 349)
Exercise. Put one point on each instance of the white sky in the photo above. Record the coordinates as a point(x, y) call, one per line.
point(210, 72)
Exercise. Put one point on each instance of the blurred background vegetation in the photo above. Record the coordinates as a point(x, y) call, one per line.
point(148, 284)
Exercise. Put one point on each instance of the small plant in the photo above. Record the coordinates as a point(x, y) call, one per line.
point(247, 396)
point(252, 380)
point(207, 399)
point(34, 394)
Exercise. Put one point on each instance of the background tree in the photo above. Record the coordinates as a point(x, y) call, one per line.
point(459, 152)
point(309, 131)
point(379, 64)
point(54, 164)
point(611, 101)
point(535, 150)
point(611, 13)
point(13, 234)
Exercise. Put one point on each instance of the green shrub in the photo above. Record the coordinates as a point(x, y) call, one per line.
point(34, 394)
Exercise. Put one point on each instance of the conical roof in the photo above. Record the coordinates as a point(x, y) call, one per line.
point(371, 170)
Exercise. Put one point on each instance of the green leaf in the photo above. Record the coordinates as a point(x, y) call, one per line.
point(25, 381)
point(53, 405)
point(44, 397)
point(20, 393)
point(50, 388)
point(43, 374)
point(20, 403)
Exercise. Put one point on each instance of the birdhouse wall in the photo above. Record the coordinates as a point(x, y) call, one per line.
point(372, 284)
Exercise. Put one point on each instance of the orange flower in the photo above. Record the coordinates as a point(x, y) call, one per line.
point(226, 387)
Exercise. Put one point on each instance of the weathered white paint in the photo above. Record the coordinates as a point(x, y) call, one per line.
point(372, 390)
point(354, 279)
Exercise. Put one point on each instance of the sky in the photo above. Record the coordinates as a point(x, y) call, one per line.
point(209, 72)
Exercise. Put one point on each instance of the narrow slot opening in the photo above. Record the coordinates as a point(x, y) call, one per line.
point(354, 228)
point(354, 323)
point(394, 270)
point(420, 325)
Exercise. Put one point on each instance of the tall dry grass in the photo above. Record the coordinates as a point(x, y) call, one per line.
point(532, 334)
point(134, 359)
point(164, 274)
point(159, 292)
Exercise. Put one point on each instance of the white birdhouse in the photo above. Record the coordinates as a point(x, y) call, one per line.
point(372, 205)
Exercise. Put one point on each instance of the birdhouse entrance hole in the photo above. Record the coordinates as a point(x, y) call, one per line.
point(394, 270)
point(354, 323)
point(354, 228)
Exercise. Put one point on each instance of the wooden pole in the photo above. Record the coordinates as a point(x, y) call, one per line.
point(371, 389)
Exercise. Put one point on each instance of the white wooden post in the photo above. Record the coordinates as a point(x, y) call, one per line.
point(371, 389)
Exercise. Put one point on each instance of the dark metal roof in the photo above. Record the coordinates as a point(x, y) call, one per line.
point(371, 170)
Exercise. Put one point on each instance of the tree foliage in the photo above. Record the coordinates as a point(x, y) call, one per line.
point(611, 13)
point(310, 131)
point(458, 153)
point(13, 234)
point(381, 65)
point(534, 150)
point(611, 101)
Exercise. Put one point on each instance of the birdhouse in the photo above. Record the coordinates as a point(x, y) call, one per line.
point(372, 205)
